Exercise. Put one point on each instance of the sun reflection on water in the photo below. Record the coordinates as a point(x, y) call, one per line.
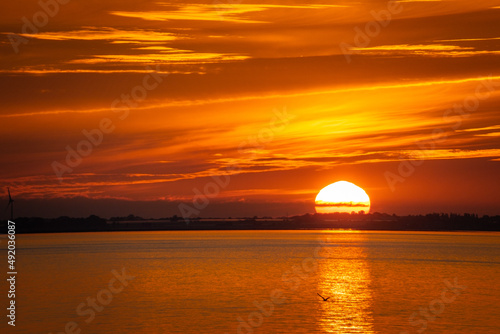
point(345, 278)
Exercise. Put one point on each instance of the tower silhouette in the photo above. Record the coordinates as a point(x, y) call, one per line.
point(11, 204)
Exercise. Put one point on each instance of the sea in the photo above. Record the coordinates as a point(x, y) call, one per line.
point(302, 281)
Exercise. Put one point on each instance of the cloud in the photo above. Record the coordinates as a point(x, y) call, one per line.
point(230, 65)
point(106, 33)
point(486, 128)
point(469, 39)
point(163, 57)
point(431, 50)
point(218, 11)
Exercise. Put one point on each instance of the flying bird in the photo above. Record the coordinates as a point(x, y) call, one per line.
point(324, 299)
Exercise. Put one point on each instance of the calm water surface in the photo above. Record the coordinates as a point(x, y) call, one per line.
point(258, 282)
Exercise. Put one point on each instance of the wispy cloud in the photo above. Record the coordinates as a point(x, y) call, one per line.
point(410, 1)
point(486, 128)
point(162, 57)
point(469, 39)
point(106, 33)
point(431, 50)
point(323, 93)
point(215, 12)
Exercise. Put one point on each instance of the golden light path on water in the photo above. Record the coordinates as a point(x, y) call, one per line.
point(344, 277)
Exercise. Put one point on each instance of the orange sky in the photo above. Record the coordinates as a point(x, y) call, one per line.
point(281, 97)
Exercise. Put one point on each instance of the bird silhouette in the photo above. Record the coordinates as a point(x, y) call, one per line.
point(324, 299)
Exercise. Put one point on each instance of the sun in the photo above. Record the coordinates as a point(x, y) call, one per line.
point(342, 196)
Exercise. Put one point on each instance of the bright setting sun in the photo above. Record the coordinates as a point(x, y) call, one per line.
point(342, 196)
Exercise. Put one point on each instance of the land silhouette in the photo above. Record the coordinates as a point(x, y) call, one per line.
point(354, 221)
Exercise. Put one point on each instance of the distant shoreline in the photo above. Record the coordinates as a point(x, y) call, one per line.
point(336, 221)
point(242, 230)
